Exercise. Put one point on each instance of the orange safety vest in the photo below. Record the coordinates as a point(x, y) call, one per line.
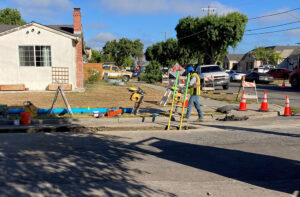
point(195, 90)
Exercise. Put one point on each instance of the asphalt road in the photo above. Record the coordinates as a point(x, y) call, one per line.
point(276, 94)
point(251, 158)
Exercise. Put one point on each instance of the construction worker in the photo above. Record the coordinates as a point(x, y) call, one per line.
point(194, 86)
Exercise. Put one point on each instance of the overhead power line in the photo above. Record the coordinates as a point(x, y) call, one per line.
point(273, 26)
point(278, 13)
point(272, 31)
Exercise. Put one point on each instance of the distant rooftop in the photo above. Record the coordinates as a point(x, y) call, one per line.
point(236, 57)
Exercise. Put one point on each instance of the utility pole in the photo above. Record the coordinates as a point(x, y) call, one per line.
point(165, 35)
point(208, 9)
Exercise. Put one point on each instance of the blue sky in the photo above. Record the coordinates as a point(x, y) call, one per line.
point(147, 20)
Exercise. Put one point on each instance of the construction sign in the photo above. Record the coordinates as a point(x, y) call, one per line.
point(176, 68)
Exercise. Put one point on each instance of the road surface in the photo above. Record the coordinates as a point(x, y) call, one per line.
point(276, 94)
point(247, 158)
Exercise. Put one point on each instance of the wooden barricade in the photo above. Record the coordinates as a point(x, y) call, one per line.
point(205, 81)
point(249, 85)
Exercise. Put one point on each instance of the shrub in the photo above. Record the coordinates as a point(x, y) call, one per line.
point(94, 76)
point(153, 73)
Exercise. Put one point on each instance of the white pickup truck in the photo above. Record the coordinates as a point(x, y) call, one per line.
point(221, 78)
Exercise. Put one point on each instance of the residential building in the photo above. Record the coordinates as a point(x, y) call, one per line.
point(249, 61)
point(42, 56)
point(231, 61)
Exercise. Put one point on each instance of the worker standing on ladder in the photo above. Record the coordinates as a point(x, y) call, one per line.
point(194, 86)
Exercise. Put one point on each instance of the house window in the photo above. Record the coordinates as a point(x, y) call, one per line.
point(35, 56)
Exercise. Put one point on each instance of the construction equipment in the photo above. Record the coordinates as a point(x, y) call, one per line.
point(179, 100)
point(29, 107)
point(184, 104)
point(170, 89)
point(113, 112)
point(137, 97)
point(60, 90)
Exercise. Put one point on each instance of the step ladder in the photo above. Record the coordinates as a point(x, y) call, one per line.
point(178, 101)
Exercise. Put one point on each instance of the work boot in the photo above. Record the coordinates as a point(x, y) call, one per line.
point(199, 120)
point(185, 120)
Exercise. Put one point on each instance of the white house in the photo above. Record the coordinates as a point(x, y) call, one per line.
point(41, 55)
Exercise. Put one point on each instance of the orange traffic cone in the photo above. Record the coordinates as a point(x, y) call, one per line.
point(283, 84)
point(264, 104)
point(287, 109)
point(243, 103)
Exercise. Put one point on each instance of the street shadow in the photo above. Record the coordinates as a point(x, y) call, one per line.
point(253, 130)
point(150, 110)
point(265, 171)
point(69, 164)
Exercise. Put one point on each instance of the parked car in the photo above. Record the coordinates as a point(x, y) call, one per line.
point(262, 69)
point(280, 73)
point(113, 72)
point(135, 73)
point(294, 78)
point(236, 75)
point(259, 77)
point(221, 78)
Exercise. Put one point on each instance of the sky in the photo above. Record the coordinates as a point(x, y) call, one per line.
point(151, 20)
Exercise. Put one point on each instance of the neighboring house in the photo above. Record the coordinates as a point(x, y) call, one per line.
point(231, 61)
point(249, 61)
point(39, 55)
point(292, 61)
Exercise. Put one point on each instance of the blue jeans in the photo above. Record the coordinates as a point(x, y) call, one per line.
point(194, 100)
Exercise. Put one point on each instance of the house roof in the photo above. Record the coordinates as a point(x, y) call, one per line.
point(236, 57)
point(4, 28)
point(68, 29)
point(281, 48)
point(296, 52)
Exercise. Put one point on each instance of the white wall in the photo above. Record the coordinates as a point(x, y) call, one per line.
point(35, 78)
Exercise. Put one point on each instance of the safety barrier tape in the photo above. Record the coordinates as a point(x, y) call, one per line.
point(248, 84)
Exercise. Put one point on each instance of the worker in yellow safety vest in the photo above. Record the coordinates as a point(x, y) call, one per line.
point(194, 86)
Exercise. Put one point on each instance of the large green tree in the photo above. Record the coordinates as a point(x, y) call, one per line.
point(11, 17)
point(100, 57)
point(211, 35)
point(121, 50)
point(169, 52)
point(267, 55)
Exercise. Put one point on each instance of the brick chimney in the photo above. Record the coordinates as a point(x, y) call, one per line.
point(77, 21)
point(78, 31)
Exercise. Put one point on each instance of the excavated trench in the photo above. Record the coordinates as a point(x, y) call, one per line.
point(76, 128)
